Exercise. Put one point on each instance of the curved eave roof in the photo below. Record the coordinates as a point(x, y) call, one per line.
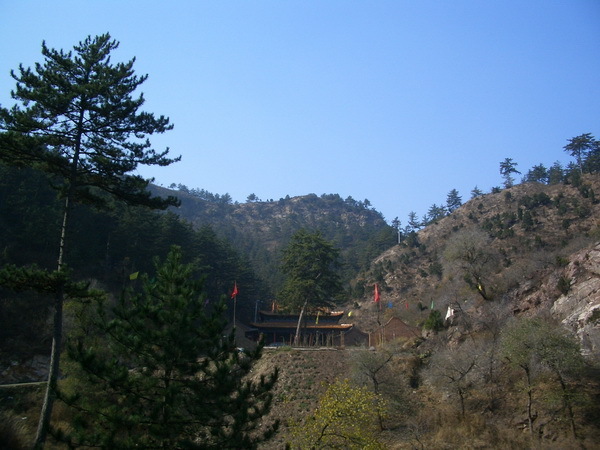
point(292, 326)
point(276, 314)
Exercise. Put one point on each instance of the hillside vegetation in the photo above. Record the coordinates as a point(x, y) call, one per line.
point(125, 314)
point(524, 243)
point(261, 229)
point(518, 263)
point(228, 243)
point(505, 371)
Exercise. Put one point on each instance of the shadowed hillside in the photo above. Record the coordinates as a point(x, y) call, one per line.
point(261, 230)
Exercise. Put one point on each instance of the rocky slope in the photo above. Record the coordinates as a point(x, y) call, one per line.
point(579, 308)
point(543, 245)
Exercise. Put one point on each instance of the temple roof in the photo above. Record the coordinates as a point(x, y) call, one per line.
point(323, 314)
point(312, 326)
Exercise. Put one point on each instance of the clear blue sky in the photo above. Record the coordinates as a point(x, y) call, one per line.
point(397, 102)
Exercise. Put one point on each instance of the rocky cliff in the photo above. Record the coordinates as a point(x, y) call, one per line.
point(542, 257)
point(579, 308)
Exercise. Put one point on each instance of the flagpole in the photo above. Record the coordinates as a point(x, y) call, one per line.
point(377, 299)
point(380, 324)
point(234, 295)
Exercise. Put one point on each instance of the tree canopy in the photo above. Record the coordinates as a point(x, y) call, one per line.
point(345, 418)
point(469, 252)
point(158, 370)
point(507, 168)
point(536, 347)
point(311, 265)
point(453, 201)
point(580, 146)
point(77, 120)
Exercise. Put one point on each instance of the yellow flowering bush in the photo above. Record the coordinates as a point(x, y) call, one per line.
point(346, 418)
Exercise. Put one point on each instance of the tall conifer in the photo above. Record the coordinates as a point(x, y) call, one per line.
point(76, 118)
point(159, 371)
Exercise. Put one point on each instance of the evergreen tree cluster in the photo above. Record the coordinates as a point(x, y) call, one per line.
point(260, 230)
point(311, 265)
point(105, 246)
point(158, 370)
point(70, 146)
point(584, 148)
point(203, 194)
point(108, 245)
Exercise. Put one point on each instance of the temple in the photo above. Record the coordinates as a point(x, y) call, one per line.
point(321, 329)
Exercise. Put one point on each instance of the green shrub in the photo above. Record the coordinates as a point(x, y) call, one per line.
point(564, 285)
point(434, 322)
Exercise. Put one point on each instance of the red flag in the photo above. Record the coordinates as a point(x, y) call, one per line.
point(235, 290)
point(376, 299)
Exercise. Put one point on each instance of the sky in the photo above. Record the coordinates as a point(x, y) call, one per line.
point(397, 102)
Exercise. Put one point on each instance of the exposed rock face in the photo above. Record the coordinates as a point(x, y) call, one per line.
point(548, 265)
point(579, 309)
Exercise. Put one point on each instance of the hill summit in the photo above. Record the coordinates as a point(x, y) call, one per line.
point(261, 229)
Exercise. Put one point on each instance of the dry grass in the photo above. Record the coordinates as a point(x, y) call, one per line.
point(14, 433)
point(19, 412)
point(434, 423)
point(303, 377)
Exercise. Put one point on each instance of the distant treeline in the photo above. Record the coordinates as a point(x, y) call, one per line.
point(226, 199)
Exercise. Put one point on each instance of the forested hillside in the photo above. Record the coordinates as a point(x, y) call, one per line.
point(229, 242)
point(261, 229)
point(514, 364)
point(106, 248)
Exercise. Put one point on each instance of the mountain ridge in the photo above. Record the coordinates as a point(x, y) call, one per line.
point(262, 229)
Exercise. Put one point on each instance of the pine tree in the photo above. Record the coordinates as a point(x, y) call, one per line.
point(579, 147)
point(537, 174)
point(311, 265)
point(157, 371)
point(453, 201)
point(556, 173)
point(476, 192)
point(413, 222)
point(591, 163)
point(78, 121)
point(507, 168)
point(435, 213)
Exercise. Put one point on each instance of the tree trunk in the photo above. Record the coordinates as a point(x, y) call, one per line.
point(53, 373)
point(529, 402)
point(297, 337)
point(481, 287)
point(46, 412)
point(567, 403)
point(461, 396)
point(54, 370)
